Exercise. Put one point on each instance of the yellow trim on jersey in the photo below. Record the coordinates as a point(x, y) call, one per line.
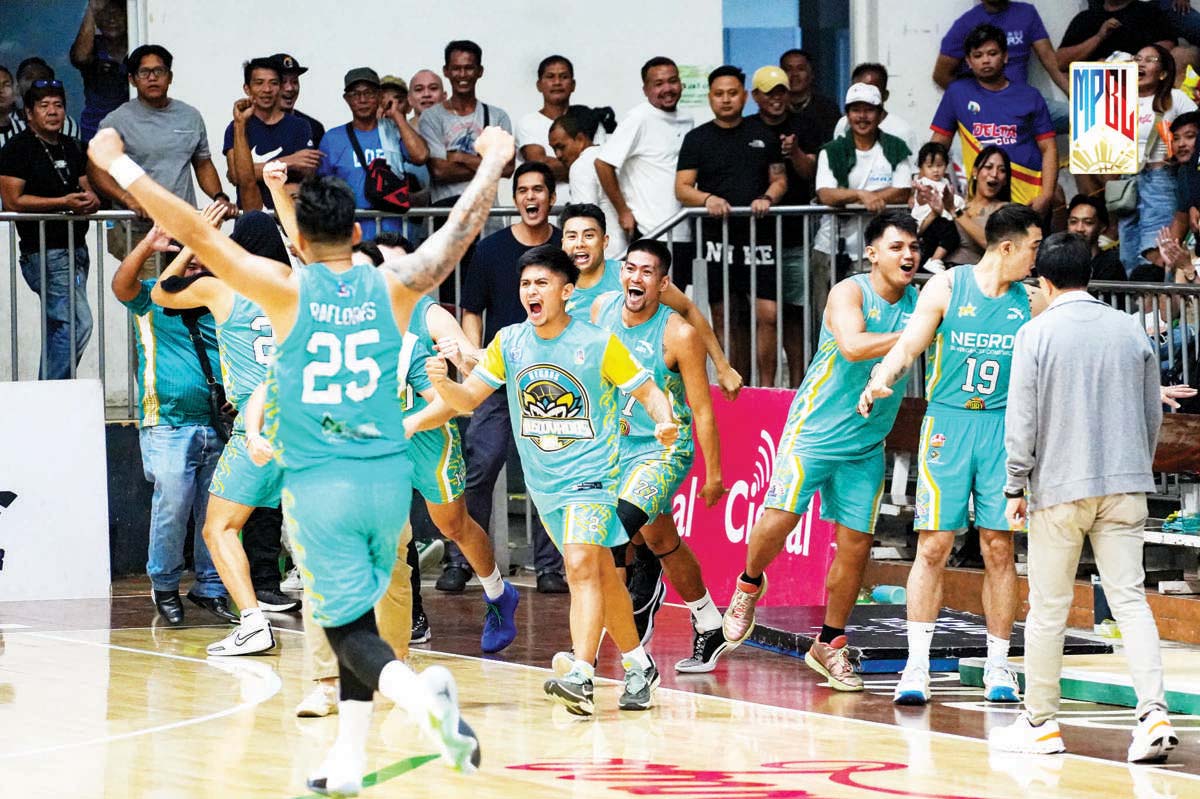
point(875, 507)
point(808, 400)
point(150, 405)
point(935, 368)
point(933, 505)
point(491, 369)
point(619, 367)
point(443, 467)
point(797, 484)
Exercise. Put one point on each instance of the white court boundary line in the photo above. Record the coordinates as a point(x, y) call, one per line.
point(275, 684)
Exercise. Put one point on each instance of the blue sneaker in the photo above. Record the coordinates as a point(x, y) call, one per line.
point(500, 621)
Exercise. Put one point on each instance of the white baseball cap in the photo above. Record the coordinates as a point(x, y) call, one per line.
point(863, 93)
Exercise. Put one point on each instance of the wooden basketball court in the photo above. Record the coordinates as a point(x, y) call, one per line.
point(98, 700)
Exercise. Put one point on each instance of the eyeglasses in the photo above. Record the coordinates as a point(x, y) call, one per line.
point(361, 94)
point(47, 84)
point(151, 72)
point(1146, 59)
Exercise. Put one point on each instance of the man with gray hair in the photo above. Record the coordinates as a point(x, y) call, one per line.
point(1074, 479)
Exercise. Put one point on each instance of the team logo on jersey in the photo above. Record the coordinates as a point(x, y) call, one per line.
point(937, 440)
point(975, 404)
point(873, 313)
point(344, 290)
point(580, 357)
point(973, 107)
point(623, 425)
point(554, 407)
point(966, 310)
point(1015, 313)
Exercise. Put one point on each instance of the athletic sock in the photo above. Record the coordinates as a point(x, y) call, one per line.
point(400, 684)
point(493, 584)
point(253, 617)
point(705, 613)
point(920, 637)
point(584, 669)
point(635, 657)
point(997, 652)
point(829, 633)
point(347, 758)
point(755, 581)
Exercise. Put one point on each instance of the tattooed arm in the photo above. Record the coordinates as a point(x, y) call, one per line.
point(435, 259)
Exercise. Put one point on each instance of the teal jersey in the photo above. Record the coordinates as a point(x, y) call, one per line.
point(247, 344)
point(823, 420)
point(580, 301)
point(970, 360)
point(422, 348)
point(646, 343)
point(563, 399)
point(334, 389)
point(170, 384)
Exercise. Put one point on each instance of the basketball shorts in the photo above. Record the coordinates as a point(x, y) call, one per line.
point(439, 472)
point(649, 480)
point(850, 489)
point(345, 520)
point(583, 523)
point(961, 455)
point(239, 480)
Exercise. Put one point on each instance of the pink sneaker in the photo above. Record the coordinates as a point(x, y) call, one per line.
point(739, 616)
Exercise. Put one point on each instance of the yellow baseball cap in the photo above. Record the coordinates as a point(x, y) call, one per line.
point(393, 80)
point(769, 77)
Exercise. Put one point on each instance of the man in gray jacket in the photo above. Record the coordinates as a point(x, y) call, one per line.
point(1073, 478)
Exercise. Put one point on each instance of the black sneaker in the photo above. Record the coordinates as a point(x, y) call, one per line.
point(276, 601)
point(639, 687)
point(420, 629)
point(706, 648)
point(643, 617)
point(573, 693)
point(453, 579)
point(644, 581)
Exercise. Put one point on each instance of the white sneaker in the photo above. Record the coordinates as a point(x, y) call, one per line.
point(913, 688)
point(244, 640)
point(1022, 736)
point(1153, 737)
point(934, 265)
point(339, 775)
point(1000, 684)
point(321, 701)
point(292, 581)
point(457, 742)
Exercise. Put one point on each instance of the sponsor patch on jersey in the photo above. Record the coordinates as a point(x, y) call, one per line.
point(975, 404)
point(554, 407)
point(934, 454)
point(937, 440)
point(966, 310)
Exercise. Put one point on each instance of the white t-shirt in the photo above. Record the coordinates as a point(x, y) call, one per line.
point(1180, 104)
point(533, 128)
point(585, 188)
point(891, 124)
point(871, 172)
point(644, 150)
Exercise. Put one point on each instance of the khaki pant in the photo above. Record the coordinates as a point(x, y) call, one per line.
point(1115, 524)
point(393, 615)
point(123, 236)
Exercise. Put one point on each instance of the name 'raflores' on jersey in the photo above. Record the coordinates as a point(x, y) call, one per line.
point(331, 314)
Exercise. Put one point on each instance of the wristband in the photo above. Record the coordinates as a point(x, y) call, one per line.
point(766, 197)
point(1011, 494)
point(124, 171)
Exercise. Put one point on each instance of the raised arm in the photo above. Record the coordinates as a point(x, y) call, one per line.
point(462, 397)
point(915, 339)
point(436, 258)
point(431, 417)
point(451, 342)
point(125, 281)
point(251, 276)
point(275, 176)
point(241, 162)
point(684, 344)
point(727, 377)
point(204, 292)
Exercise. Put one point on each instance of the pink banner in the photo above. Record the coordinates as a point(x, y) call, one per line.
point(750, 429)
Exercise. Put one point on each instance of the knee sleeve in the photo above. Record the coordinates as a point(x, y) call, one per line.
point(361, 655)
point(619, 554)
point(632, 517)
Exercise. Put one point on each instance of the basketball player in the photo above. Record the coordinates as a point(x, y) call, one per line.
point(564, 378)
point(827, 447)
point(970, 315)
point(585, 239)
point(650, 475)
point(337, 428)
point(246, 346)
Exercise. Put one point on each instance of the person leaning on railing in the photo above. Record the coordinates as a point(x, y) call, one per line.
point(44, 171)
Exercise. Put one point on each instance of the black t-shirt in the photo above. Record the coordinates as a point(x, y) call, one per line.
point(49, 170)
point(1141, 24)
point(732, 163)
point(820, 117)
point(800, 190)
point(493, 283)
point(318, 130)
point(1107, 266)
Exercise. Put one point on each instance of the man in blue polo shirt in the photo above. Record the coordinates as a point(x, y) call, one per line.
point(988, 108)
point(390, 138)
point(273, 135)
